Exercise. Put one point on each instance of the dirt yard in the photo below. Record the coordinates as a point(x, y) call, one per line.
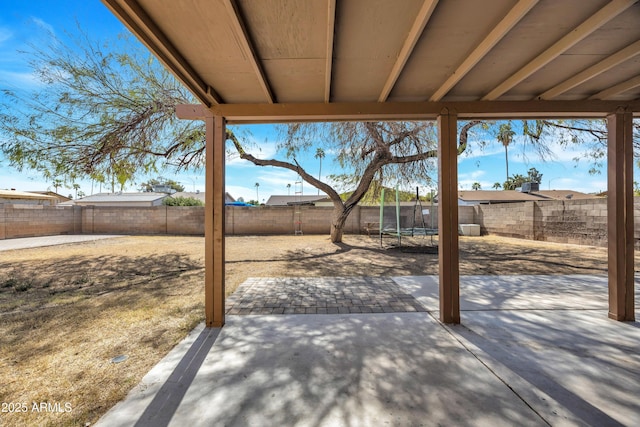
point(67, 311)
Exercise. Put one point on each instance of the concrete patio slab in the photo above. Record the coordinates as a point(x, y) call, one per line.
point(36, 242)
point(530, 292)
point(573, 367)
point(509, 363)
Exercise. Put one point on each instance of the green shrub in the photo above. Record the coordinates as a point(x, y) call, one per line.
point(182, 201)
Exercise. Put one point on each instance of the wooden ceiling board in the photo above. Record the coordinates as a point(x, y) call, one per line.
point(452, 33)
point(286, 29)
point(359, 79)
point(202, 33)
point(369, 36)
point(294, 53)
point(296, 80)
point(545, 24)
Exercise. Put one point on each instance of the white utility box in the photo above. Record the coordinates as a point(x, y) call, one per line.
point(470, 229)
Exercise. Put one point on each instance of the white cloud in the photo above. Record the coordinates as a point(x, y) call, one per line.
point(20, 80)
point(5, 34)
point(43, 25)
point(473, 175)
point(260, 150)
point(478, 152)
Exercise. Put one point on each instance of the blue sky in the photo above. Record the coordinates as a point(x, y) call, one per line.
point(22, 22)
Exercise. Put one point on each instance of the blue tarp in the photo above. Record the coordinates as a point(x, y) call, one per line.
point(237, 204)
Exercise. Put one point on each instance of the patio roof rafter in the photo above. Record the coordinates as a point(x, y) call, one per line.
point(514, 16)
point(618, 89)
point(243, 38)
point(141, 24)
point(604, 15)
point(328, 65)
point(593, 71)
point(407, 47)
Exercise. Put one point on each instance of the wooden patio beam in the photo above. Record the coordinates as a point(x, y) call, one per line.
point(620, 216)
point(242, 35)
point(424, 14)
point(328, 63)
point(601, 17)
point(448, 257)
point(301, 112)
point(214, 222)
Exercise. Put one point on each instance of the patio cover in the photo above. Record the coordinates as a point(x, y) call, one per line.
point(259, 61)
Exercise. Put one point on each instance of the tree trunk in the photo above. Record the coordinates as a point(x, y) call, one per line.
point(506, 160)
point(338, 218)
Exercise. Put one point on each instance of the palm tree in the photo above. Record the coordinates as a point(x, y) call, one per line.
point(497, 186)
point(288, 189)
point(505, 136)
point(476, 186)
point(57, 183)
point(76, 187)
point(319, 155)
point(257, 195)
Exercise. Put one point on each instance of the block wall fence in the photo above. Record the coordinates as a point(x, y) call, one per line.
point(581, 222)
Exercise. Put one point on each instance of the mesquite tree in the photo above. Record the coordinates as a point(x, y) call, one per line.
point(396, 150)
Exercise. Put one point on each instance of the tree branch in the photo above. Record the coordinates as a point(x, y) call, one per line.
point(333, 195)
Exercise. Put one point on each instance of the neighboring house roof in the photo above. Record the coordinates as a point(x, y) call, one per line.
point(105, 198)
point(13, 194)
point(292, 200)
point(60, 197)
point(510, 196)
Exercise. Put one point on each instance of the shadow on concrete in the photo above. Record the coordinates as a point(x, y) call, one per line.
point(400, 369)
point(168, 398)
point(545, 382)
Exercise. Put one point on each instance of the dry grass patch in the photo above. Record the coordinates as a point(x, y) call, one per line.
point(66, 311)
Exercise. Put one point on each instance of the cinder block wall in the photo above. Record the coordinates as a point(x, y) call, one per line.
point(185, 220)
point(506, 219)
point(570, 221)
point(22, 220)
point(317, 220)
point(3, 232)
point(32, 220)
point(143, 220)
point(582, 222)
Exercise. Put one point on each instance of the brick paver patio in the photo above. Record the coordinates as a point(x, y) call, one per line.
point(320, 295)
